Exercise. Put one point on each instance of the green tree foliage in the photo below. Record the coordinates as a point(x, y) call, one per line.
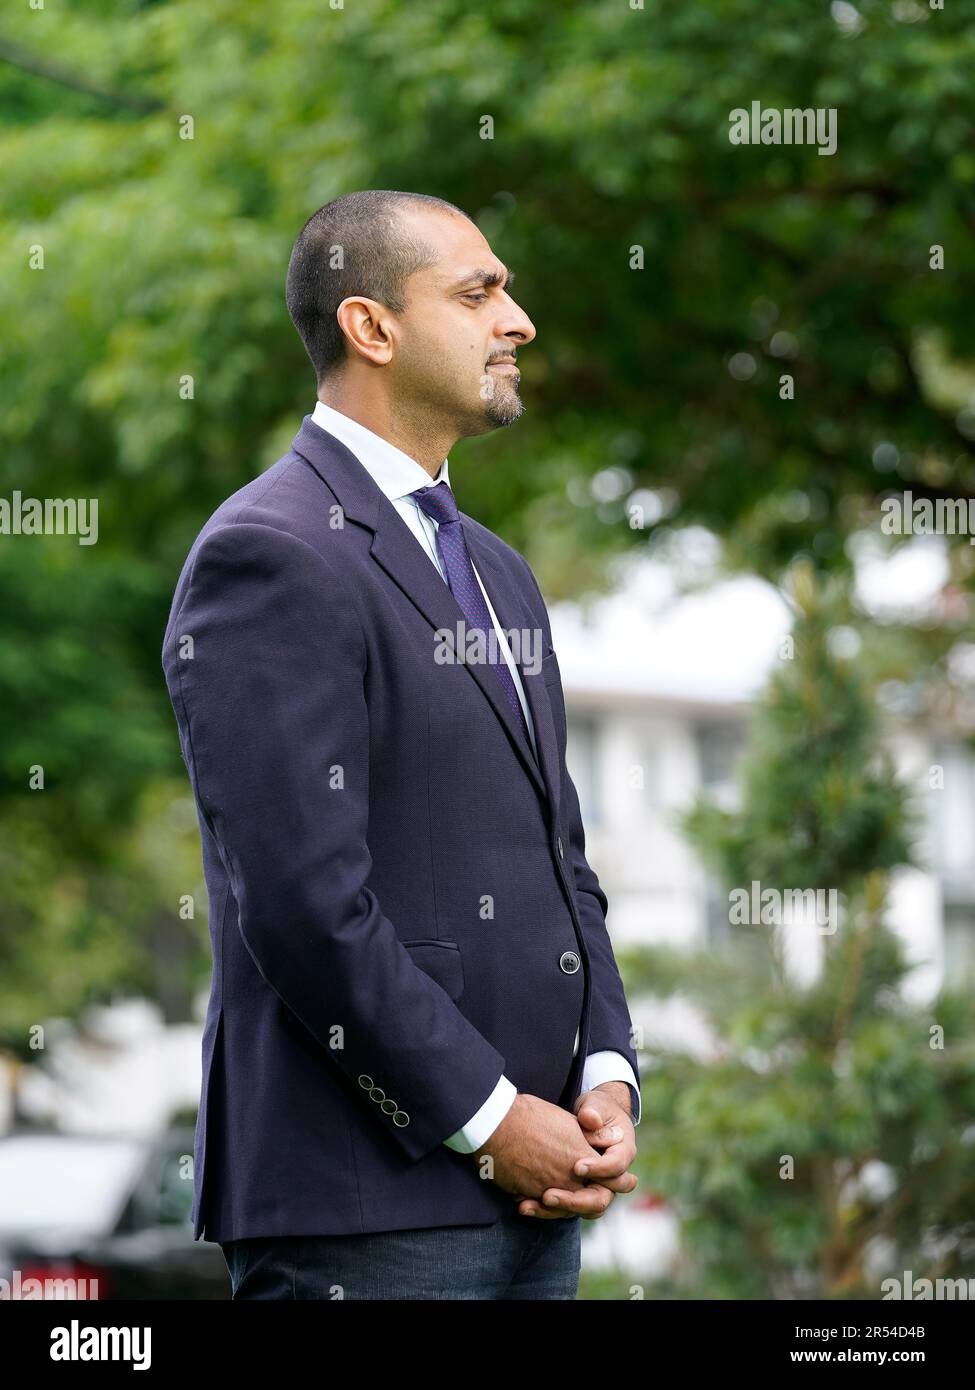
point(165, 256)
point(150, 362)
point(825, 1141)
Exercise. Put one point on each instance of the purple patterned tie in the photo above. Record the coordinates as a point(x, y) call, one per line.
point(438, 502)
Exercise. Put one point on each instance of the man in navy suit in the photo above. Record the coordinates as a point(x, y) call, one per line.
point(418, 1070)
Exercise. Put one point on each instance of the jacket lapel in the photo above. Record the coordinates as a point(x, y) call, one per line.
point(395, 549)
point(513, 613)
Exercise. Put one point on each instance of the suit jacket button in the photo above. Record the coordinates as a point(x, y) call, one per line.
point(366, 1082)
point(569, 962)
point(376, 1094)
point(401, 1118)
point(389, 1107)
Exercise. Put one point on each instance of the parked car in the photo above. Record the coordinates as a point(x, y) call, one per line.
point(113, 1210)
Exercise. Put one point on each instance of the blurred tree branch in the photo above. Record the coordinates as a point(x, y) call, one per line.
point(25, 61)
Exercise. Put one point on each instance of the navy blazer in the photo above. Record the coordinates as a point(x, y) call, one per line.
point(400, 904)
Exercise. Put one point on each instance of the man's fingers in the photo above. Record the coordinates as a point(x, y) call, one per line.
point(606, 1134)
point(589, 1202)
point(537, 1206)
point(592, 1116)
point(610, 1164)
point(626, 1182)
point(540, 1213)
point(532, 1206)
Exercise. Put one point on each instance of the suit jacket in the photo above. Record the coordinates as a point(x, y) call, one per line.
point(401, 909)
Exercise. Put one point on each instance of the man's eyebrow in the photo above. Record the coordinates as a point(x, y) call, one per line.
point(487, 279)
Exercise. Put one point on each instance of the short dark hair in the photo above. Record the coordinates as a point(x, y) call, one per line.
point(378, 257)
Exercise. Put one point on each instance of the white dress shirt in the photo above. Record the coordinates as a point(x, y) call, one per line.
point(397, 475)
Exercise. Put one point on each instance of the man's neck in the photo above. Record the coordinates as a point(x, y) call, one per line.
point(428, 447)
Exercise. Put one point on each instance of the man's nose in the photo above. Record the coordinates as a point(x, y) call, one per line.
point(517, 324)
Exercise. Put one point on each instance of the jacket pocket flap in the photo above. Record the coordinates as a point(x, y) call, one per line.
point(440, 960)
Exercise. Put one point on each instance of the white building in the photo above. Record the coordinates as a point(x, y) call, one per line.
point(658, 690)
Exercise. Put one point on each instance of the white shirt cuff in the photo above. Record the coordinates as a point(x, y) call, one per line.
point(611, 1066)
point(482, 1125)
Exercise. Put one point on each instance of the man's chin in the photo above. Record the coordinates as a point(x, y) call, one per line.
point(504, 410)
point(492, 415)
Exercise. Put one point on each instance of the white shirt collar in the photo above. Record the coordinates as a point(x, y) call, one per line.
point(393, 471)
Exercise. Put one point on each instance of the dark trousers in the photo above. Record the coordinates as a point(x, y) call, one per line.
point(519, 1257)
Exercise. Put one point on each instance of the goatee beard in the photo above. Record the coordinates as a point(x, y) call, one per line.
point(505, 409)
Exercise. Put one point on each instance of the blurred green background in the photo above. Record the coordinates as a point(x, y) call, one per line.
point(150, 363)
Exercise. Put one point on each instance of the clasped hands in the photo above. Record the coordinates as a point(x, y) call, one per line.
point(529, 1147)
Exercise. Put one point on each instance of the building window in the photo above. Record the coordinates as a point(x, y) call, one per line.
point(650, 768)
point(959, 927)
point(719, 747)
point(749, 944)
point(953, 822)
point(716, 917)
point(582, 762)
